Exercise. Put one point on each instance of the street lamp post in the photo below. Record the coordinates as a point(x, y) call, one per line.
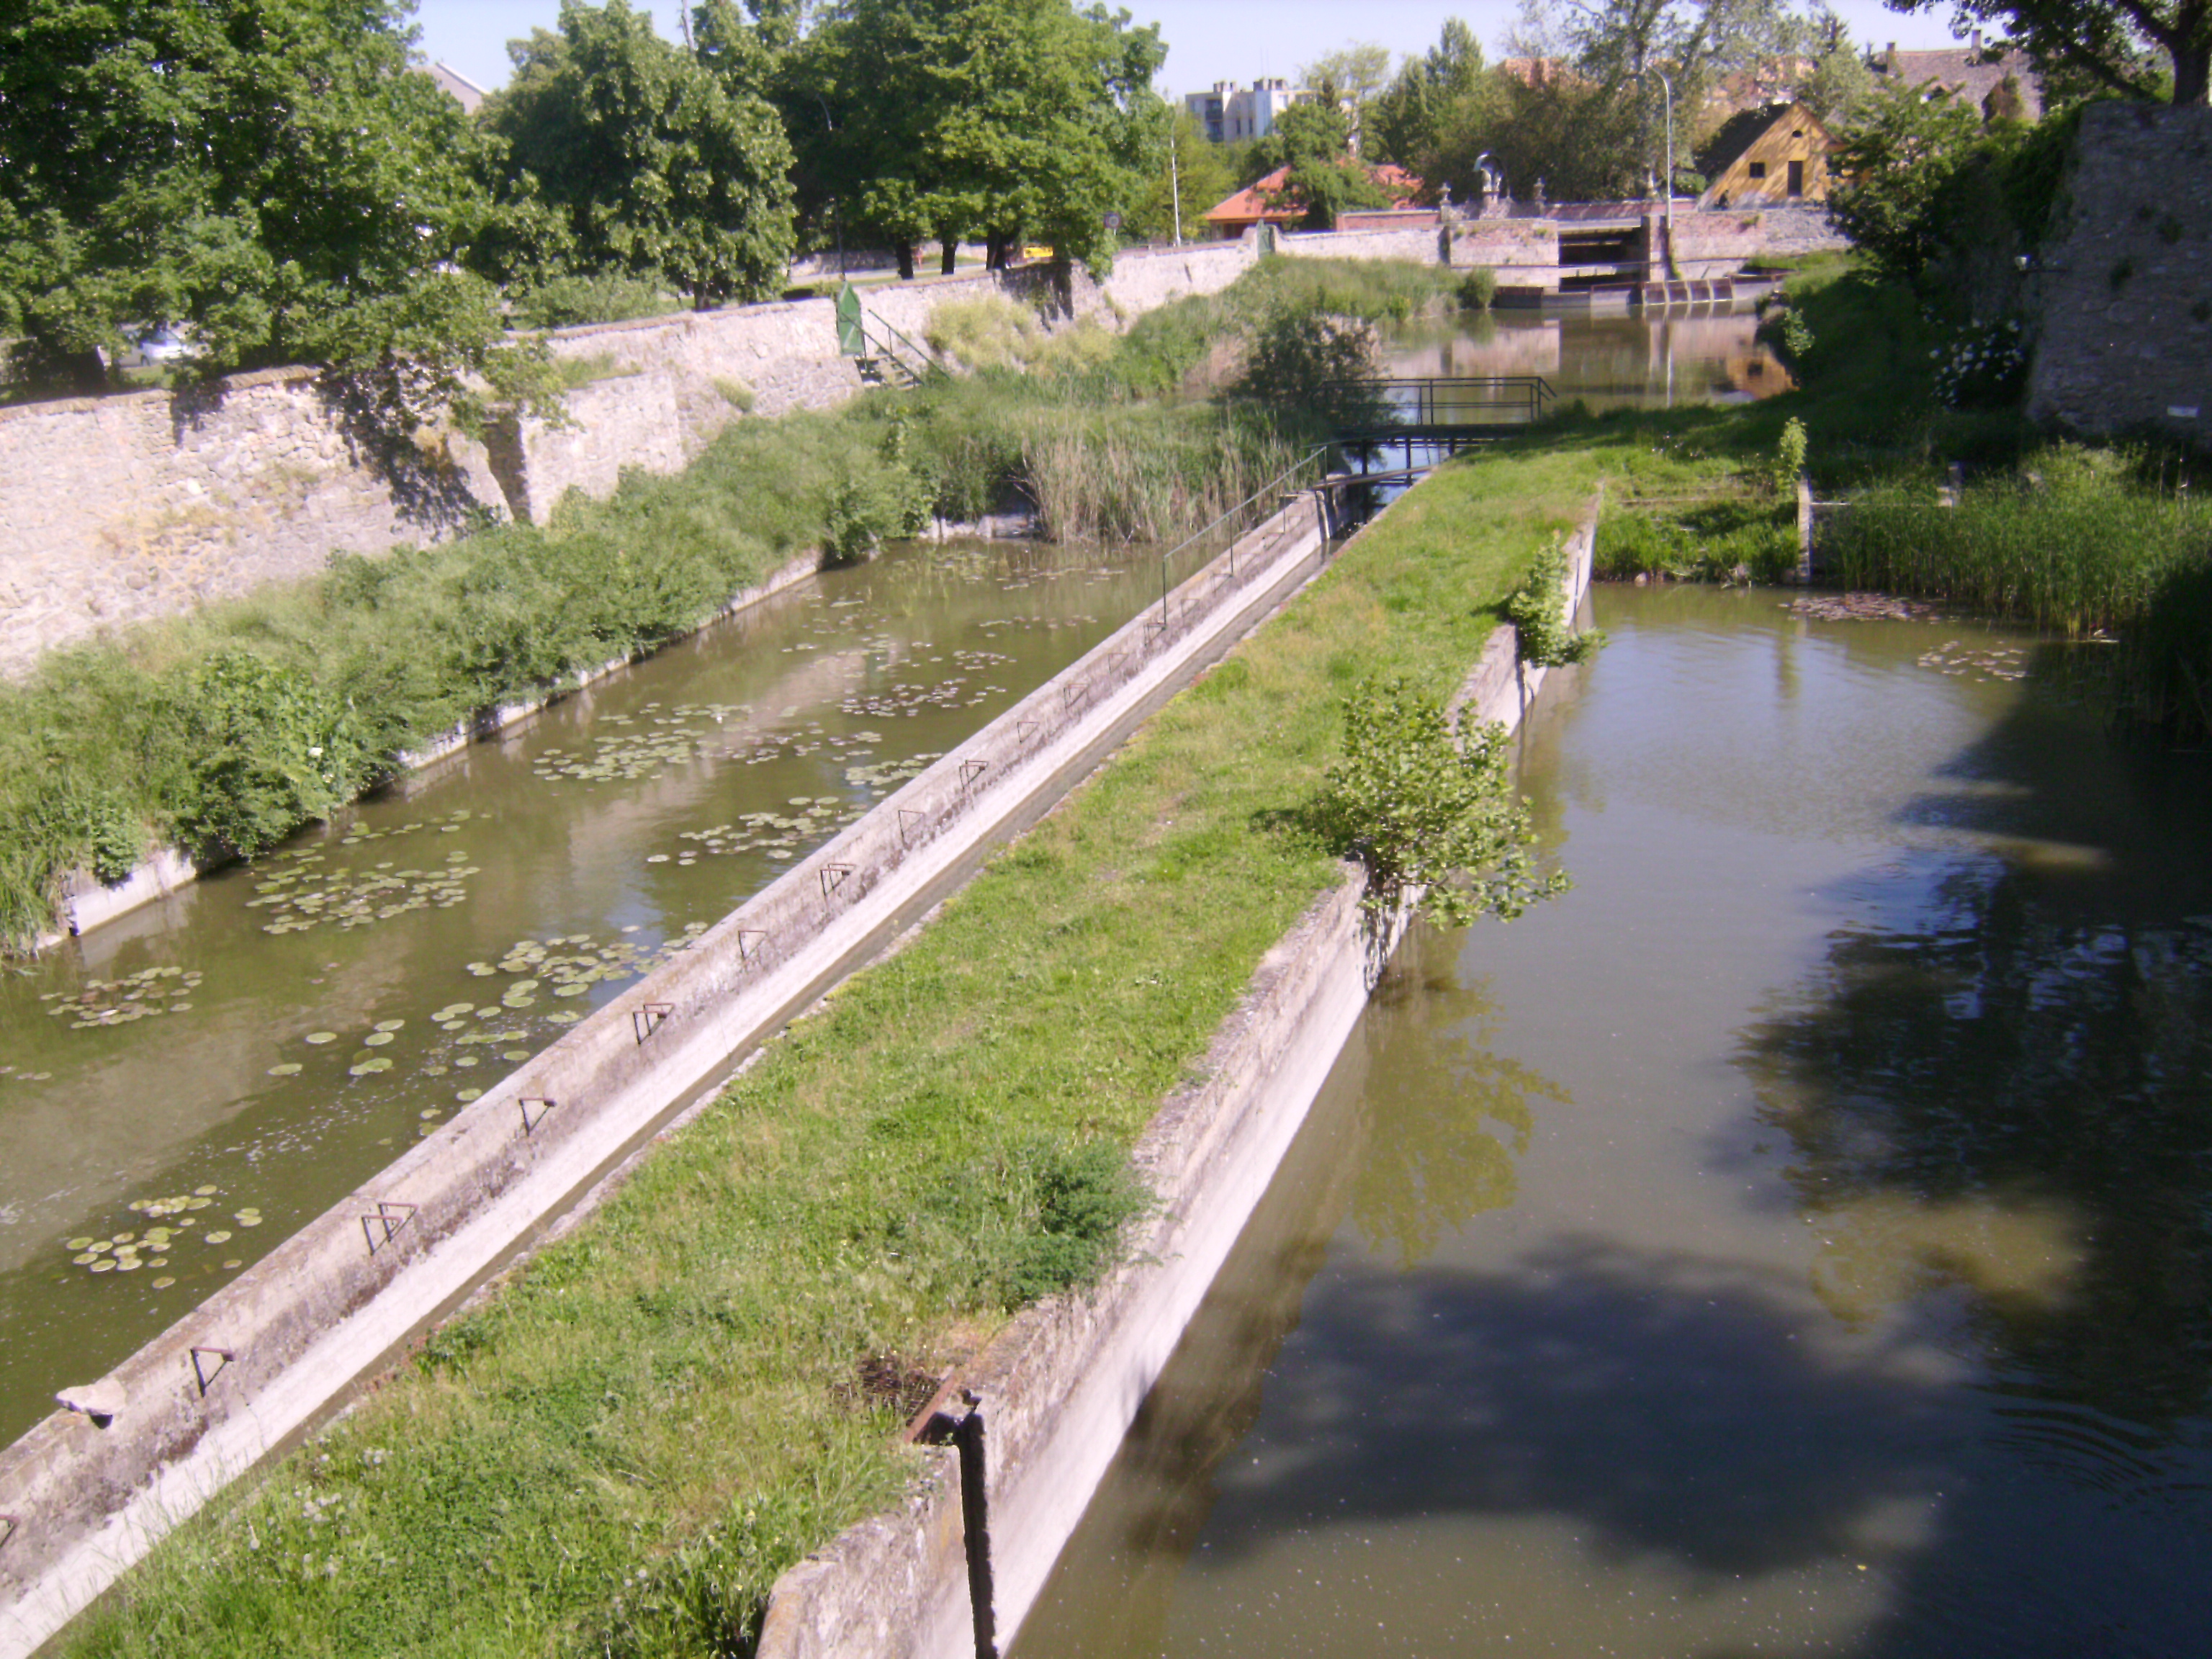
point(1668, 87)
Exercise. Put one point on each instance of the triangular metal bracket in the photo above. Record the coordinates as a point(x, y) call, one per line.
point(752, 941)
point(645, 1020)
point(970, 770)
point(908, 819)
point(530, 1120)
point(380, 1228)
point(201, 1374)
point(834, 875)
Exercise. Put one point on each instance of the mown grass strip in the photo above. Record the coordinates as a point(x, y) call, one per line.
point(620, 1452)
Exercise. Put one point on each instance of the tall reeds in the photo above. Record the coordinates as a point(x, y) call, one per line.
point(2075, 541)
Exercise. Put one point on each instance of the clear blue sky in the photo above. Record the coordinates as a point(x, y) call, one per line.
point(1208, 40)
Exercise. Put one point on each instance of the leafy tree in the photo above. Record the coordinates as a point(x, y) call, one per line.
point(1200, 177)
point(1407, 121)
point(1616, 45)
point(1579, 137)
point(640, 158)
point(1890, 170)
point(1425, 809)
point(2105, 40)
point(1839, 82)
point(1350, 77)
point(270, 174)
point(1313, 142)
point(1013, 119)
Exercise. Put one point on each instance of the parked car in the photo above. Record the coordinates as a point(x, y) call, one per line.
point(167, 345)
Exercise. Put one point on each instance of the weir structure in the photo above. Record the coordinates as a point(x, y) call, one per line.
point(1016, 1442)
point(89, 1489)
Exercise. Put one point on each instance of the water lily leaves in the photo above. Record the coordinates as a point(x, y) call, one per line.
point(248, 1217)
point(205, 1192)
point(163, 1283)
point(466, 1095)
point(373, 1063)
point(388, 1026)
point(150, 993)
point(219, 1235)
point(102, 1265)
point(234, 1264)
point(320, 1037)
point(378, 1039)
point(289, 1069)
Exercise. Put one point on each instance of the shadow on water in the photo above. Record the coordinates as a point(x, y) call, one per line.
point(2002, 1075)
point(1983, 1429)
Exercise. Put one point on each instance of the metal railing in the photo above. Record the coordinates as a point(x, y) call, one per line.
point(884, 341)
point(1439, 400)
point(1240, 517)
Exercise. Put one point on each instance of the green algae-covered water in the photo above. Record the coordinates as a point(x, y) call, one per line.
point(1797, 1240)
point(183, 1087)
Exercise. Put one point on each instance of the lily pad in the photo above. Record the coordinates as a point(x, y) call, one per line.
point(390, 1025)
point(289, 1069)
point(377, 1039)
point(320, 1037)
point(163, 1283)
point(466, 1095)
point(221, 1236)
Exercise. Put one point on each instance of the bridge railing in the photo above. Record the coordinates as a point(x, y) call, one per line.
point(1438, 400)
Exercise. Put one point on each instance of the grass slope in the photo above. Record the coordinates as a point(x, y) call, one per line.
point(621, 1451)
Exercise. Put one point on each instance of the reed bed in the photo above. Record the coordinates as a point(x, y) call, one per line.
point(2074, 541)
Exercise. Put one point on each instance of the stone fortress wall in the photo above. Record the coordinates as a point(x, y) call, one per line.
point(123, 509)
point(2123, 292)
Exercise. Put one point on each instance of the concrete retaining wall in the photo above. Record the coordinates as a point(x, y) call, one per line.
point(1055, 1393)
point(277, 1345)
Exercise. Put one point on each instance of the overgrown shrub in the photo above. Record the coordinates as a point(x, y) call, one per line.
point(1537, 609)
point(571, 301)
point(1425, 809)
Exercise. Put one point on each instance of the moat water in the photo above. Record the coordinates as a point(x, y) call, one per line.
point(1796, 1240)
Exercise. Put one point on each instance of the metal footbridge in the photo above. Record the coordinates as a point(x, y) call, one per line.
point(1442, 413)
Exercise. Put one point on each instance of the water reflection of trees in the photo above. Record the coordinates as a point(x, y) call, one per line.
point(1445, 1114)
point(2003, 1043)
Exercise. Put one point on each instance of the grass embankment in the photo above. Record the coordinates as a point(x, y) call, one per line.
point(231, 727)
point(663, 1411)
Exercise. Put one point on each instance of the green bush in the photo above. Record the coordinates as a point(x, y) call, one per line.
point(1719, 541)
point(1537, 609)
point(1423, 807)
point(571, 301)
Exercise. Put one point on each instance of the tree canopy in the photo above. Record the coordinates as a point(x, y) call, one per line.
point(638, 156)
point(269, 173)
point(1012, 120)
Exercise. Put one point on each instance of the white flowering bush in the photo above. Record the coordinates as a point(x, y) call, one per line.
point(1983, 365)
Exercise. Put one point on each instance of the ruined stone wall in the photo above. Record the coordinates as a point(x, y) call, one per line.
point(120, 509)
point(2122, 295)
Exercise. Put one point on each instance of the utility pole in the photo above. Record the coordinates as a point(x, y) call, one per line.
point(1175, 184)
